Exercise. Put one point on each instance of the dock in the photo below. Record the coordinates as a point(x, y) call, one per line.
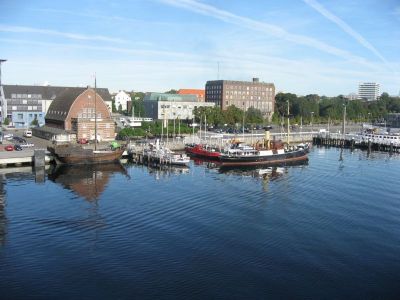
point(24, 158)
point(354, 141)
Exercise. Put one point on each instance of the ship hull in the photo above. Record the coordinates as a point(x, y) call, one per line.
point(76, 155)
point(264, 160)
point(199, 151)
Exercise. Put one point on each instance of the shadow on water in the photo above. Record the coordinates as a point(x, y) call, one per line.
point(88, 181)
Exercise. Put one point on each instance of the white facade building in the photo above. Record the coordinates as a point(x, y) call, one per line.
point(121, 99)
point(369, 91)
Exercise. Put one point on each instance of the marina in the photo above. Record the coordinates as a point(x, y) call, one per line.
point(174, 232)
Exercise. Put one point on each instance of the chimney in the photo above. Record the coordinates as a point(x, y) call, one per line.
point(255, 79)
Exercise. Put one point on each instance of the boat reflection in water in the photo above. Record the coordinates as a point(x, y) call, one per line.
point(88, 182)
point(166, 171)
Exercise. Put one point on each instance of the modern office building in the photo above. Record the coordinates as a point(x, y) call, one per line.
point(171, 106)
point(199, 93)
point(22, 104)
point(242, 94)
point(369, 91)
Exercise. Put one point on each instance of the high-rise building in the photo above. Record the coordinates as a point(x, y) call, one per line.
point(242, 94)
point(368, 91)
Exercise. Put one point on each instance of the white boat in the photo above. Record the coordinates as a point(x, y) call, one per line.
point(164, 155)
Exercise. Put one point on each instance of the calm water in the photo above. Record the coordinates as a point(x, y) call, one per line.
point(329, 229)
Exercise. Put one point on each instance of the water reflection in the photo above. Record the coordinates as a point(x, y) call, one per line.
point(3, 217)
point(262, 173)
point(165, 171)
point(88, 181)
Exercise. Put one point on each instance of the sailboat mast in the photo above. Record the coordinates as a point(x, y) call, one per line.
point(288, 123)
point(95, 114)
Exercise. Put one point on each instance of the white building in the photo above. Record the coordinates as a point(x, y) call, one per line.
point(368, 91)
point(121, 99)
point(160, 106)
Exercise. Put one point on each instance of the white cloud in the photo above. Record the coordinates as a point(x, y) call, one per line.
point(346, 28)
point(73, 36)
point(269, 29)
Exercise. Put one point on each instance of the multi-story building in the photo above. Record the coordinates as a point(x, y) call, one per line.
point(171, 106)
point(22, 104)
point(121, 100)
point(199, 93)
point(242, 94)
point(368, 91)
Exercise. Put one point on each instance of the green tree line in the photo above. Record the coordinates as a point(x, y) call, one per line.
point(313, 108)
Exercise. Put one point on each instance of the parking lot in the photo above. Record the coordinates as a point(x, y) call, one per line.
point(16, 137)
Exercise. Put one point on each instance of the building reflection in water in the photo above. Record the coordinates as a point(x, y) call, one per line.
point(88, 181)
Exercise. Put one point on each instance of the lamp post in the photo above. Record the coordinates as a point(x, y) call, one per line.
point(344, 121)
point(312, 123)
point(1, 90)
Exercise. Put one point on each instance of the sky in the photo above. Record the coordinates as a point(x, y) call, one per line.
point(302, 46)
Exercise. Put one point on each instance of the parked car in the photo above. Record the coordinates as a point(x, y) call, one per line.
point(19, 139)
point(9, 148)
point(8, 136)
point(82, 141)
point(28, 133)
point(17, 147)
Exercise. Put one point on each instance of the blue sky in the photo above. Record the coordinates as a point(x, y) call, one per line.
point(302, 46)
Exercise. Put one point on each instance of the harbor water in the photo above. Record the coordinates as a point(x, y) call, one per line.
point(326, 229)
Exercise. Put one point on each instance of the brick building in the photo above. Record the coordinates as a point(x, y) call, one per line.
point(242, 94)
point(75, 111)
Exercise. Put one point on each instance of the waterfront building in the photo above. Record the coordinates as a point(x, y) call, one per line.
point(242, 94)
point(171, 106)
point(75, 113)
point(369, 91)
point(22, 104)
point(200, 94)
point(121, 100)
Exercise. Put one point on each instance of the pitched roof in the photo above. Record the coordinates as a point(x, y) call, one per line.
point(61, 105)
point(47, 92)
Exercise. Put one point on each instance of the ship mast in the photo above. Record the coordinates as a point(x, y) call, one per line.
point(95, 115)
point(288, 123)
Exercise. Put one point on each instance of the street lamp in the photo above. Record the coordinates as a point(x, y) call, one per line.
point(1, 61)
point(1, 93)
point(312, 119)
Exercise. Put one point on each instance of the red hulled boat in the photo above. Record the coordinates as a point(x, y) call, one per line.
point(204, 151)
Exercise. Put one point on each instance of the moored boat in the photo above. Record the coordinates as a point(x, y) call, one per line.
point(76, 154)
point(204, 151)
point(249, 156)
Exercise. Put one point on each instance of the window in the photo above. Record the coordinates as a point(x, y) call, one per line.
point(14, 108)
point(13, 96)
point(24, 101)
point(29, 107)
point(20, 116)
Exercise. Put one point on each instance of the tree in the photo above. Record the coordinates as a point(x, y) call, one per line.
point(6, 121)
point(120, 108)
point(35, 122)
point(172, 91)
point(253, 116)
point(113, 108)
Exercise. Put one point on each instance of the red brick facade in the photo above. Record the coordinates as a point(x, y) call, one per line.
point(80, 117)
